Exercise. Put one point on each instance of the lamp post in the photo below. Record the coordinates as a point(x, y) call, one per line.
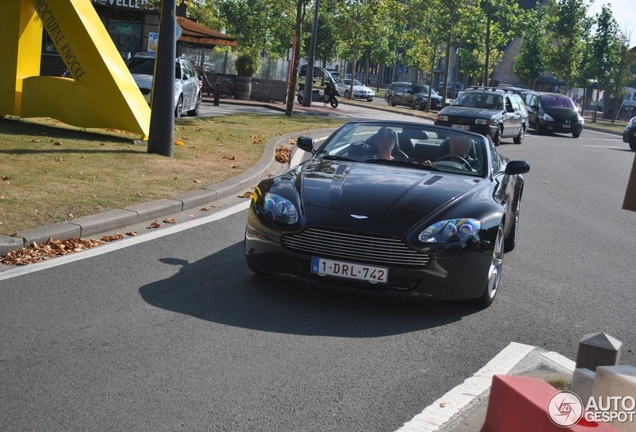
point(309, 75)
point(161, 135)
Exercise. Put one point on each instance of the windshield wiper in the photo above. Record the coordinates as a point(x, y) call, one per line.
point(339, 158)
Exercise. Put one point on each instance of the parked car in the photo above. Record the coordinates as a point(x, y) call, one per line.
point(187, 86)
point(412, 95)
point(435, 230)
point(488, 111)
point(629, 134)
point(553, 112)
point(360, 91)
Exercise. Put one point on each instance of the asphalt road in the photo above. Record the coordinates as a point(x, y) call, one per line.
point(175, 333)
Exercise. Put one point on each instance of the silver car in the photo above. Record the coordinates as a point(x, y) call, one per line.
point(360, 91)
point(187, 86)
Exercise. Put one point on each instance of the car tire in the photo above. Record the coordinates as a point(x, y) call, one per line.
point(497, 138)
point(370, 100)
point(417, 105)
point(537, 127)
point(576, 134)
point(511, 241)
point(178, 110)
point(390, 101)
point(632, 145)
point(519, 138)
point(195, 111)
point(333, 102)
point(494, 272)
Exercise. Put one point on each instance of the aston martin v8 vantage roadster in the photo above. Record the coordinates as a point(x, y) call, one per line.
point(397, 208)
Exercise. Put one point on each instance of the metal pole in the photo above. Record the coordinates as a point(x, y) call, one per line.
point(161, 137)
point(309, 76)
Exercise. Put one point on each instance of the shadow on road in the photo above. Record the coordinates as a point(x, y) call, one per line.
point(221, 289)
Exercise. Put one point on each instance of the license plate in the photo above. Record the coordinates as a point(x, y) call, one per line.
point(326, 267)
point(462, 127)
point(566, 126)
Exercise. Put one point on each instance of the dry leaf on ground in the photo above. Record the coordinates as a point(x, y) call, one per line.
point(43, 251)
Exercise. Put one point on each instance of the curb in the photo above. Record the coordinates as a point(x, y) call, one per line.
point(119, 218)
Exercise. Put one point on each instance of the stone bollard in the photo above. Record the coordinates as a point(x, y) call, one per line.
point(598, 349)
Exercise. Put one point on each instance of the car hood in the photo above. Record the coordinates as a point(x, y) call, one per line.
point(462, 111)
point(562, 113)
point(367, 195)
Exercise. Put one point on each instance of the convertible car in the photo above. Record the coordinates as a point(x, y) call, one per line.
point(427, 221)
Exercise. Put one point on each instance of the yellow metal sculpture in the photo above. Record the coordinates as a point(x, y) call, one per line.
point(101, 94)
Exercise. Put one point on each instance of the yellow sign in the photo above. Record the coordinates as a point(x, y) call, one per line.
point(101, 94)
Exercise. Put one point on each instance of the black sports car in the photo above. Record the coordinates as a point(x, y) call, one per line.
point(432, 219)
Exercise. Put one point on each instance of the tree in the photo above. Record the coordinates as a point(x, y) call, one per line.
point(606, 47)
point(300, 7)
point(530, 63)
point(359, 22)
point(567, 32)
point(623, 72)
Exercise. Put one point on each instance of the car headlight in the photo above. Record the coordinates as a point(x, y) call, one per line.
point(442, 117)
point(450, 230)
point(482, 121)
point(580, 120)
point(280, 209)
point(547, 117)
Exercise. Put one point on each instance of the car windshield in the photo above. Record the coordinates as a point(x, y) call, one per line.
point(411, 146)
point(479, 100)
point(355, 82)
point(556, 101)
point(141, 65)
point(146, 66)
point(423, 89)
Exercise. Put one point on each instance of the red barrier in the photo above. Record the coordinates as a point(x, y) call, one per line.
point(521, 403)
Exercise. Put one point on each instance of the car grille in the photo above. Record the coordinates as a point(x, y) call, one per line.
point(354, 247)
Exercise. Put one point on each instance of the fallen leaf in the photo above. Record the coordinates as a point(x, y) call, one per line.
point(205, 209)
point(131, 233)
point(57, 143)
point(71, 215)
point(229, 157)
point(43, 251)
point(282, 154)
point(170, 221)
point(116, 236)
point(442, 404)
point(6, 177)
point(197, 181)
point(178, 143)
point(233, 166)
point(35, 140)
point(246, 195)
point(155, 224)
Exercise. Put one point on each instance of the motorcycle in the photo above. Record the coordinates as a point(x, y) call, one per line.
point(327, 97)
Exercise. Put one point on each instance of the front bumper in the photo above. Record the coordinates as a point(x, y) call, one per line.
point(561, 127)
point(480, 129)
point(448, 274)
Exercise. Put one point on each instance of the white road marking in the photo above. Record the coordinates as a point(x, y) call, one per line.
point(441, 411)
point(120, 244)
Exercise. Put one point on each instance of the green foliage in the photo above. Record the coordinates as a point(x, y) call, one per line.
point(247, 64)
point(530, 63)
point(606, 48)
point(567, 32)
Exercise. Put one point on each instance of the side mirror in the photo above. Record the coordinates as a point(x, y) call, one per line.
point(517, 167)
point(306, 144)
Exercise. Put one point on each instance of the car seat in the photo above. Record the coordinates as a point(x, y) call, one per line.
point(372, 146)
